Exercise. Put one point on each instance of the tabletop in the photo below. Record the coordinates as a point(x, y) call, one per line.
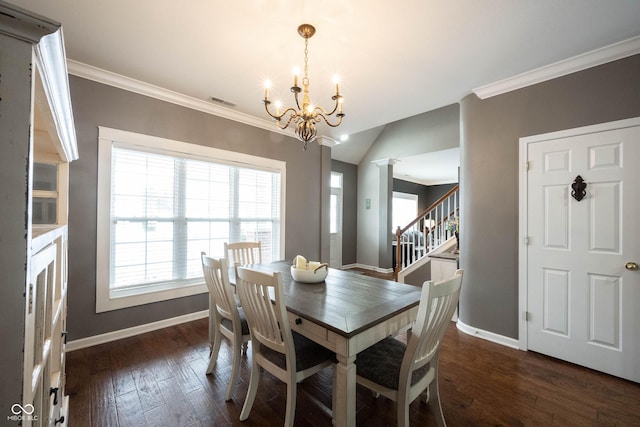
point(346, 303)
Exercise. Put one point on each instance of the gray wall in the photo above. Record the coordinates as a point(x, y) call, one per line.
point(349, 209)
point(427, 194)
point(431, 131)
point(490, 131)
point(94, 105)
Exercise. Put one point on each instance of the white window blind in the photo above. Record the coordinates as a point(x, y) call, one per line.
point(169, 201)
point(166, 210)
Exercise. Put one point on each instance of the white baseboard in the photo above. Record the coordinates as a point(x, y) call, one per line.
point(348, 266)
point(489, 336)
point(135, 330)
point(367, 267)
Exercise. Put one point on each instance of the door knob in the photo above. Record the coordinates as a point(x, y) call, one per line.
point(631, 266)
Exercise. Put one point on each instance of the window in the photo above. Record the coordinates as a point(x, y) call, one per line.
point(335, 221)
point(162, 202)
point(404, 209)
point(335, 204)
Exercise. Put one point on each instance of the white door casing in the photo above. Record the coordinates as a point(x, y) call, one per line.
point(578, 301)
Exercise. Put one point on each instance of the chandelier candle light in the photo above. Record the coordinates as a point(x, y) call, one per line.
point(306, 115)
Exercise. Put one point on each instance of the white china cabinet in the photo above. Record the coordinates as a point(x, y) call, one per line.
point(37, 142)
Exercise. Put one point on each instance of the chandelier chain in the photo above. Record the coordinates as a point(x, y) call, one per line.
point(306, 60)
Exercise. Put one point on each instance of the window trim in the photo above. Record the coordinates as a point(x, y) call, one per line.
point(106, 299)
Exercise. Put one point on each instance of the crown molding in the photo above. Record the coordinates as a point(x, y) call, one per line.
point(581, 62)
point(326, 141)
point(385, 162)
point(99, 75)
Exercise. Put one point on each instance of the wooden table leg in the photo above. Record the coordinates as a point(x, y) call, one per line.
point(344, 392)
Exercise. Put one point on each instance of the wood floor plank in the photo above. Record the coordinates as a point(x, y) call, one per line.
point(129, 411)
point(119, 355)
point(181, 412)
point(205, 408)
point(102, 387)
point(158, 379)
point(157, 417)
point(99, 357)
point(80, 410)
point(147, 386)
point(123, 381)
point(103, 397)
point(184, 374)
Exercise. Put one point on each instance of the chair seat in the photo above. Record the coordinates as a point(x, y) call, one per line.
point(381, 362)
point(308, 353)
point(244, 326)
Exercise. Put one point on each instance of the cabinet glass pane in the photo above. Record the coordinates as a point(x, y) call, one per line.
point(44, 210)
point(45, 177)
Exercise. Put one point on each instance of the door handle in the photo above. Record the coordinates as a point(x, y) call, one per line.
point(632, 266)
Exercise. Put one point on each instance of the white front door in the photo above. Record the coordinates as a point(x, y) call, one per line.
point(582, 288)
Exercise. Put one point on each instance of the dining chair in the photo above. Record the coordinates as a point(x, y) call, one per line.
point(225, 316)
point(243, 253)
point(403, 372)
point(287, 355)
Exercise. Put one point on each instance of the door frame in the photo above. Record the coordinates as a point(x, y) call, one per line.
point(523, 253)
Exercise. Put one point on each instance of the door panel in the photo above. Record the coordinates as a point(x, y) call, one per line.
point(582, 303)
point(556, 221)
point(604, 220)
point(605, 310)
point(556, 301)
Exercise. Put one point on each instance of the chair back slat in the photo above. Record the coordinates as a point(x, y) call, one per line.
point(438, 302)
point(243, 253)
point(216, 276)
point(261, 296)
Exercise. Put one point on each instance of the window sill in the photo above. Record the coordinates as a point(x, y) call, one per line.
point(118, 299)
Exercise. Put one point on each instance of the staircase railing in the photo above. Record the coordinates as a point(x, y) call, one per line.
point(426, 232)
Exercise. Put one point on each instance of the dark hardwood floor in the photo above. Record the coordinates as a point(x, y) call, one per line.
point(158, 379)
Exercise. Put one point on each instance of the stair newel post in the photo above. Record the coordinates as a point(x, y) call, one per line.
point(396, 267)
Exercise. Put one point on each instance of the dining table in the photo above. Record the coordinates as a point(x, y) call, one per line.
point(347, 312)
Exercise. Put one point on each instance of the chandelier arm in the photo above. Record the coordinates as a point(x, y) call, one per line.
point(290, 110)
point(333, 125)
point(275, 116)
point(266, 107)
point(322, 111)
point(291, 117)
point(336, 98)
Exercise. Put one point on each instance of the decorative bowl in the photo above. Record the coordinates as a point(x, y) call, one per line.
point(316, 275)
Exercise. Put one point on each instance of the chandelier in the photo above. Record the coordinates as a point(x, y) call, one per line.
point(305, 116)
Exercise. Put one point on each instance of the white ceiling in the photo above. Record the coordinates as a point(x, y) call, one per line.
point(395, 59)
point(434, 168)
